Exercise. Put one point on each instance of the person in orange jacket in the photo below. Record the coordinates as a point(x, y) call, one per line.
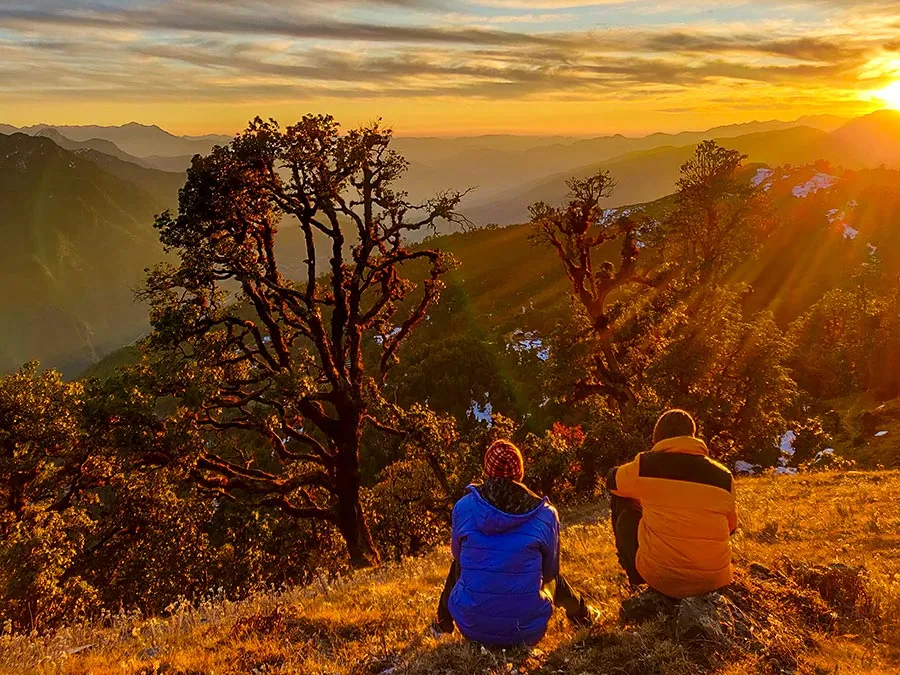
point(673, 513)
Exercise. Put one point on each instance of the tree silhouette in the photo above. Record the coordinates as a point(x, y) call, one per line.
point(577, 231)
point(720, 217)
point(248, 350)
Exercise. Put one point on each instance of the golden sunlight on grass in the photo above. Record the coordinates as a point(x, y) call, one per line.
point(375, 622)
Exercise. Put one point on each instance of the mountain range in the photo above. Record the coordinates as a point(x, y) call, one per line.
point(79, 205)
point(77, 237)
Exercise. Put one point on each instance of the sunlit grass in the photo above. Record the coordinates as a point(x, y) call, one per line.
point(377, 620)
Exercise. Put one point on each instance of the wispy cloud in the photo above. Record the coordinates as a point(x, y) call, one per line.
point(136, 50)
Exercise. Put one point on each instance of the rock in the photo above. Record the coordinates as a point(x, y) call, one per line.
point(759, 571)
point(150, 653)
point(706, 618)
point(646, 606)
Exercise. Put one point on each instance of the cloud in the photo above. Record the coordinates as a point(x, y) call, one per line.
point(241, 50)
point(204, 18)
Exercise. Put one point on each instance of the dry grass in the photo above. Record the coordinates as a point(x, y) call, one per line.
point(376, 621)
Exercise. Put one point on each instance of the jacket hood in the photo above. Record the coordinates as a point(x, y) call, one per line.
point(491, 520)
point(684, 444)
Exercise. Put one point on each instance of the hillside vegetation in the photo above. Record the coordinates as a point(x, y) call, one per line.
point(508, 173)
point(76, 240)
point(304, 409)
point(376, 621)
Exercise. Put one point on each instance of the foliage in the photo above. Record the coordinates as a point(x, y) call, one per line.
point(850, 339)
point(720, 218)
point(671, 341)
point(731, 373)
point(248, 349)
point(578, 231)
point(89, 522)
point(554, 462)
point(828, 345)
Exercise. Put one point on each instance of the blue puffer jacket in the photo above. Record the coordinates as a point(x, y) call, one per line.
point(505, 560)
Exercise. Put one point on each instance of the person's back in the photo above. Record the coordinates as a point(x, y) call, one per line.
point(504, 559)
point(505, 580)
point(681, 504)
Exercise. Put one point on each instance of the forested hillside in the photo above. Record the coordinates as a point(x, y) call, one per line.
point(302, 410)
point(76, 240)
point(506, 174)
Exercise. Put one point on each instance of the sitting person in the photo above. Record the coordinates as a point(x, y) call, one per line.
point(505, 577)
point(673, 513)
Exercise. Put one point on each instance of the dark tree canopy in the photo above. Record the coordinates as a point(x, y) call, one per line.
point(283, 360)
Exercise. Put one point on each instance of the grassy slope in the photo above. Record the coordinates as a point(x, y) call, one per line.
point(376, 620)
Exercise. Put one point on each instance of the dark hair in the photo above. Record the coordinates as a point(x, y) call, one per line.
point(674, 423)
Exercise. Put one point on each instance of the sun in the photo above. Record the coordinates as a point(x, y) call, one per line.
point(890, 95)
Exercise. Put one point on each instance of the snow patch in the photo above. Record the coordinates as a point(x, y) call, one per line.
point(745, 467)
point(381, 339)
point(880, 434)
point(762, 175)
point(607, 216)
point(849, 232)
point(821, 181)
point(873, 249)
point(482, 413)
point(528, 342)
point(785, 471)
point(786, 444)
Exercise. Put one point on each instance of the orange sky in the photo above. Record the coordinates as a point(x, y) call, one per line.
point(571, 67)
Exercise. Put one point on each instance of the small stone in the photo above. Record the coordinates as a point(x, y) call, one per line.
point(759, 570)
point(150, 653)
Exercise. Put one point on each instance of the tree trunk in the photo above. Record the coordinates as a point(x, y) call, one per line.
point(351, 521)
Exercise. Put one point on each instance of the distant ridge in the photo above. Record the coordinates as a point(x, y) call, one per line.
point(648, 174)
point(138, 140)
point(876, 136)
point(96, 144)
point(76, 238)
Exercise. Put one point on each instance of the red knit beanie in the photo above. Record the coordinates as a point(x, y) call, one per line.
point(504, 460)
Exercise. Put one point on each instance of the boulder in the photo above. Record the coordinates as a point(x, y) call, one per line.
point(706, 618)
point(647, 606)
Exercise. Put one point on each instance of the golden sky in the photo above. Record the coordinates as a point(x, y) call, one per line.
point(445, 67)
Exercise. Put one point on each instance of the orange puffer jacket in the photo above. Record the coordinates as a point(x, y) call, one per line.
point(689, 514)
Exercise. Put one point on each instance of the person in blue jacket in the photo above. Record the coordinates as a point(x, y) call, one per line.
point(505, 577)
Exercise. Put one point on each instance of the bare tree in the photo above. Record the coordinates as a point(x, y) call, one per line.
point(248, 350)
